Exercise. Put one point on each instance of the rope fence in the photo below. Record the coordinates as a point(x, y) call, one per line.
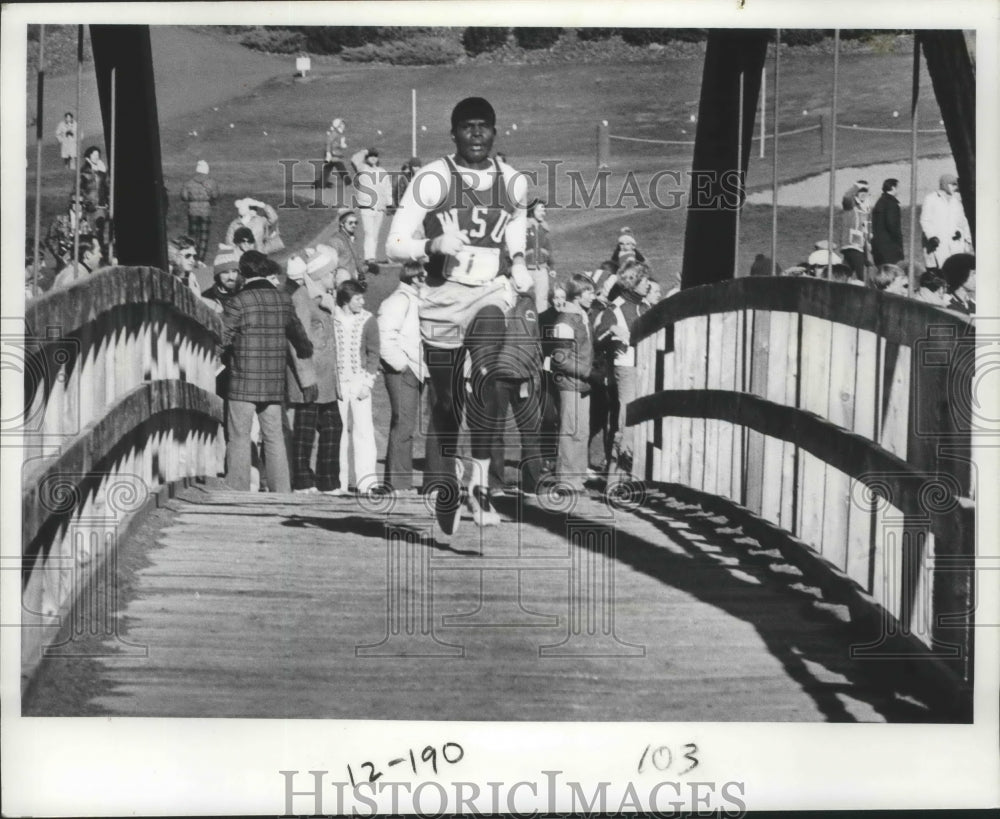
point(604, 137)
point(889, 130)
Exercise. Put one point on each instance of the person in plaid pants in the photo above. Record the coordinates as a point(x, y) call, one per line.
point(314, 306)
point(200, 192)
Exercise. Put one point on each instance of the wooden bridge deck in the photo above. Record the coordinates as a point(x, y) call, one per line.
point(279, 606)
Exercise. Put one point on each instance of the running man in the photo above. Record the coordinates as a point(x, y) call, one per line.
point(462, 216)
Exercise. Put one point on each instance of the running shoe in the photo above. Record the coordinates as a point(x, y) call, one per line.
point(447, 513)
point(482, 509)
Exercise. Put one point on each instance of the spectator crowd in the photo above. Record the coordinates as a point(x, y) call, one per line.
point(871, 248)
point(303, 353)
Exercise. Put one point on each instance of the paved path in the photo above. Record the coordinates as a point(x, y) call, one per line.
point(300, 606)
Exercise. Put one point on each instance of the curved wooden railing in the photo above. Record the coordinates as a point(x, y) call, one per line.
point(119, 404)
point(842, 417)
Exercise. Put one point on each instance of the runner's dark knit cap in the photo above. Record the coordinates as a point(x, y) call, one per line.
point(473, 108)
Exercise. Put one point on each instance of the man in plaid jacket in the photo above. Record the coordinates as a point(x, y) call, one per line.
point(258, 323)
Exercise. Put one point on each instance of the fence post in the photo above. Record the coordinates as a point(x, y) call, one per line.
point(603, 145)
point(822, 137)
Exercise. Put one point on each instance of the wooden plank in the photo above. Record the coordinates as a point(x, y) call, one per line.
point(790, 476)
point(739, 433)
point(896, 400)
point(861, 518)
point(760, 333)
point(773, 483)
point(726, 447)
point(645, 357)
point(814, 397)
point(684, 357)
point(714, 354)
point(696, 375)
point(840, 411)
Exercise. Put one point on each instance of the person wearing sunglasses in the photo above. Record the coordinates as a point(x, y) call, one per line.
point(183, 257)
point(345, 243)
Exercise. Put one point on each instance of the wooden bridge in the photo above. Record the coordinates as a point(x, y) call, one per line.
point(799, 545)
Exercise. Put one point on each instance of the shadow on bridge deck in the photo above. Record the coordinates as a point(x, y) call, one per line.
point(236, 605)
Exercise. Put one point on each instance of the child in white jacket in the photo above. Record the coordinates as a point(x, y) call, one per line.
point(357, 365)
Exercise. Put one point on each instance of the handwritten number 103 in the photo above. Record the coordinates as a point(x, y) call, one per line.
point(661, 758)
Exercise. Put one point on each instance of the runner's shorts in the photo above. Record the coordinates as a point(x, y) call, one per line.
point(447, 309)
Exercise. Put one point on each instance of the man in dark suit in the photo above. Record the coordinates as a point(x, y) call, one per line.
point(887, 226)
point(258, 322)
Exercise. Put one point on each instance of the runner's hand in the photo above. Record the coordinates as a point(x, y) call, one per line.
point(449, 244)
point(520, 276)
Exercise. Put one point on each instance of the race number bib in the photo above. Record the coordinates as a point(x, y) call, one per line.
point(474, 265)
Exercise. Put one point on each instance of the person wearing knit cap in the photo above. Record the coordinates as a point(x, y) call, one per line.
point(243, 240)
point(611, 339)
point(226, 270)
point(200, 192)
point(944, 225)
point(314, 306)
point(627, 245)
point(464, 217)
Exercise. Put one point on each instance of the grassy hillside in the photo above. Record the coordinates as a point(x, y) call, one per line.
point(250, 115)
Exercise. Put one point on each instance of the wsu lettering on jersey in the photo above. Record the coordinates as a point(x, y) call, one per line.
point(484, 216)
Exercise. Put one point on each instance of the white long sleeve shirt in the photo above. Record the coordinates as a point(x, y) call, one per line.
point(428, 189)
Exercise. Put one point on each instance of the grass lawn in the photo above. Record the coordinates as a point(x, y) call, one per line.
point(208, 88)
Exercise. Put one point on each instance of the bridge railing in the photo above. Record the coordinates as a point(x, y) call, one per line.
point(840, 415)
point(119, 403)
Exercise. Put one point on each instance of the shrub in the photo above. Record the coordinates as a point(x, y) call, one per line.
point(687, 35)
point(275, 40)
point(533, 38)
point(590, 34)
point(333, 39)
point(644, 36)
point(804, 36)
point(421, 50)
point(480, 39)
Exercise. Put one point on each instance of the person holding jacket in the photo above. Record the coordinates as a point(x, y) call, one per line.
point(262, 221)
point(401, 350)
point(572, 368)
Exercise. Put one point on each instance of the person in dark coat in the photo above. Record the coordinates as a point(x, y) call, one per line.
point(887, 226)
point(258, 322)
